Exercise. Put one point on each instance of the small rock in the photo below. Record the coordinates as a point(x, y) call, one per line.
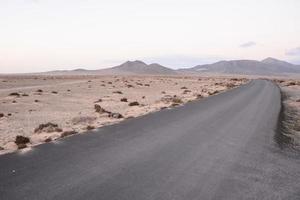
point(21, 146)
point(39, 90)
point(98, 101)
point(36, 101)
point(123, 99)
point(14, 101)
point(1, 115)
point(118, 92)
point(89, 127)
point(14, 94)
point(1, 148)
point(115, 115)
point(68, 133)
point(186, 91)
point(54, 92)
point(99, 109)
point(48, 140)
point(134, 103)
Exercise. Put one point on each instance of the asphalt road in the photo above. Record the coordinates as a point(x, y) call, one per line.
point(221, 147)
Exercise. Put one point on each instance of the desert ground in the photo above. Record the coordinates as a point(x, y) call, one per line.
point(290, 89)
point(46, 108)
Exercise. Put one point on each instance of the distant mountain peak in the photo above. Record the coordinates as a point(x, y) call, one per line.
point(270, 60)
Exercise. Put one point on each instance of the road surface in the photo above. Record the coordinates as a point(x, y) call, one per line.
point(221, 147)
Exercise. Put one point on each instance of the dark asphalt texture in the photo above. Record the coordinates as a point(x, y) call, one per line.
point(220, 147)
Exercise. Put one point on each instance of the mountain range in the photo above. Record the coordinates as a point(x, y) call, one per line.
point(268, 66)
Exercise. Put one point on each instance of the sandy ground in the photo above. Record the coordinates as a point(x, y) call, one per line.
point(70, 101)
point(291, 101)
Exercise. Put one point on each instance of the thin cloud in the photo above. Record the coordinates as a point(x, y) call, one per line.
point(247, 44)
point(293, 52)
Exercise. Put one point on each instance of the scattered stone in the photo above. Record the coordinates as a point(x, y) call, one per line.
point(123, 99)
point(36, 101)
point(1, 115)
point(1, 148)
point(68, 133)
point(109, 82)
point(229, 85)
point(163, 92)
point(129, 86)
point(9, 114)
point(148, 85)
point(69, 90)
point(199, 96)
point(99, 109)
point(39, 90)
point(48, 128)
point(25, 95)
point(143, 97)
point(183, 88)
point(21, 146)
point(54, 92)
point(214, 92)
point(134, 103)
point(14, 101)
point(115, 115)
point(48, 140)
point(14, 94)
point(21, 140)
point(98, 101)
point(186, 91)
point(89, 127)
point(118, 92)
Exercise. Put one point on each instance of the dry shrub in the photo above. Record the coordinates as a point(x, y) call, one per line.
point(21, 140)
point(48, 128)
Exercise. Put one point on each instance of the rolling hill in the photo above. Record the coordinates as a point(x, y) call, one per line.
point(268, 66)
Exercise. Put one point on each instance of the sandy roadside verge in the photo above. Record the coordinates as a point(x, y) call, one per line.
point(45, 108)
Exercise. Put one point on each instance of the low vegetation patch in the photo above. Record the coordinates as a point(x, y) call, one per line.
point(47, 128)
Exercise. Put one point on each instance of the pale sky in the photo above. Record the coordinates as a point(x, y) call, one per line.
point(42, 35)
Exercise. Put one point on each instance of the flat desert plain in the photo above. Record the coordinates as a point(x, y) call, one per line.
point(45, 108)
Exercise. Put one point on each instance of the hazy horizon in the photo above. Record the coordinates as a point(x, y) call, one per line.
point(44, 35)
